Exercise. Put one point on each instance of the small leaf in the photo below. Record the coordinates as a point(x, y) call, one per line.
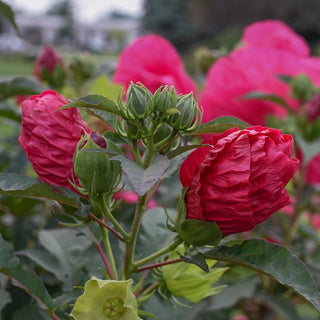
point(200, 233)
point(9, 111)
point(146, 314)
point(220, 124)
point(197, 260)
point(180, 150)
point(24, 186)
point(140, 179)
point(273, 260)
point(17, 86)
point(266, 96)
point(9, 14)
point(22, 277)
point(96, 102)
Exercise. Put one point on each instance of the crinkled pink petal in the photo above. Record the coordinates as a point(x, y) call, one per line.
point(239, 181)
point(49, 137)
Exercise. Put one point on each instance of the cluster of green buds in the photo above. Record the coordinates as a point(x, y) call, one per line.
point(161, 117)
point(98, 174)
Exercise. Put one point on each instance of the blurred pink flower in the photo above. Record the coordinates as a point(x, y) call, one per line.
point(47, 59)
point(275, 34)
point(313, 170)
point(255, 67)
point(49, 138)
point(153, 61)
point(131, 197)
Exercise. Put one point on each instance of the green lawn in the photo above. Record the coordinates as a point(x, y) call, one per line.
point(15, 65)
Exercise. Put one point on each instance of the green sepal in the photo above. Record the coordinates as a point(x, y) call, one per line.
point(144, 313)
point(192, 231)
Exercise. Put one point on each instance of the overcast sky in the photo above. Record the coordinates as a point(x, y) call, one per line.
point(87, 10)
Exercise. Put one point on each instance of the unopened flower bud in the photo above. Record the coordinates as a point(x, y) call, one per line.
point(97, 174)
point(165, 98)
point(302, 87)
point(187, 116)
point(139, 102)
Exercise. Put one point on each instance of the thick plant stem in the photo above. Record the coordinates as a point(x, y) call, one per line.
point(106, 241)
point(159, 253)
point(131, 245)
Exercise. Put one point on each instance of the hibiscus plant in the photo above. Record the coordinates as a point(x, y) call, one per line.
point(153, 205)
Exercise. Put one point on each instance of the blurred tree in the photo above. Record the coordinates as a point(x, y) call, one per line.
point(211, 17)
point(171, 19)
point(64, 9)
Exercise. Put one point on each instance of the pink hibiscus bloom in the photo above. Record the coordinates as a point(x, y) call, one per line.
point(256, 67)
point(153, 61)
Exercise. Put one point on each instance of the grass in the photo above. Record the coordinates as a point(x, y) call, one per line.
point(15, 65)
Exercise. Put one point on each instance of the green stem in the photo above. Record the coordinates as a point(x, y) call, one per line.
point(159, 253)
point(151, 288)
point(106, 241)
point(131, 245)
point(136, 153)
point(106, 211)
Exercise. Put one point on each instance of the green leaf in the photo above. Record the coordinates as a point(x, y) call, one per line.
point(22, 277)
point(96, 102)
point(64, 254)
point(281, 306)
point(17, 86)
point(9, 14)
point(146, 314)
point(24, 186)
point(103, 86)
point(9, 111)
point(200, 233)
point(220, 124)
point(140, 179)
point(236, 291)
point(273, 260)
point(172, 154)
point(266, 96)
point(197, 260)
point(154, 231)
point(309, 149)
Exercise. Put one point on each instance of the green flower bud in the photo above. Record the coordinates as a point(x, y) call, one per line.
point(106, 300)
point(181, 279)
point(162, 133)
point(187, 115)
point(139, 102)
point(302, 87)
point(97, 174)
point(165, 98)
